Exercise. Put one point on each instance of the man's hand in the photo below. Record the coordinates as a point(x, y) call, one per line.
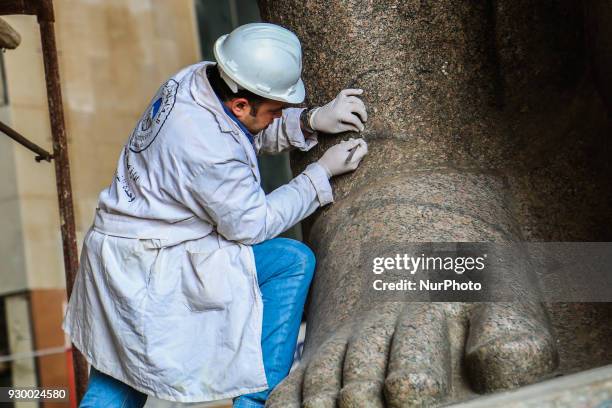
point(345, 113)
point(344, 156)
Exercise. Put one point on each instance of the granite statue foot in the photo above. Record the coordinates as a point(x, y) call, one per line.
point(414, 354)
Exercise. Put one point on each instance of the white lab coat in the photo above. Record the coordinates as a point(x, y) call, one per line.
point(166, 299)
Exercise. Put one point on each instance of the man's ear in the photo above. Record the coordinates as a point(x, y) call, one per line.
point(240, 107)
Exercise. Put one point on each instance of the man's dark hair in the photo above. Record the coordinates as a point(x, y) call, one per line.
point(225, 93)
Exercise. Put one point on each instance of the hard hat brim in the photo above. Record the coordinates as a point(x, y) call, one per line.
point(296, 97)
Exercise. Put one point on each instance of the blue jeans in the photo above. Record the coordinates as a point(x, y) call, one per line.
point(105, 391)
point(284, 272)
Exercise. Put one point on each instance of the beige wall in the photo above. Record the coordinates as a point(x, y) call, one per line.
point(12, 267)
point(113, 56)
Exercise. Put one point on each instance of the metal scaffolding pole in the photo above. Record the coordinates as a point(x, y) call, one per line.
point(43, 9)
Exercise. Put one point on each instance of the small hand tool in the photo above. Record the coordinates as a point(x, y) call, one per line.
point(352, 151)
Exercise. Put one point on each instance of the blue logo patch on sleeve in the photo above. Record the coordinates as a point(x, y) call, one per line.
point(155, 116)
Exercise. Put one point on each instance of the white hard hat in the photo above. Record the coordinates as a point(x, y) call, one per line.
point(263, 58)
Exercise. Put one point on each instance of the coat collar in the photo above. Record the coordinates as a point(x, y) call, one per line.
point(203, 94)
point(237, 121)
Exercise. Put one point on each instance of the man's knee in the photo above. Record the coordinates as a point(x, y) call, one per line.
point(284, 258)
point(302, 257)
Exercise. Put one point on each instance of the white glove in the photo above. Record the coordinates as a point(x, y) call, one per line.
point(346, 112)
point(336, 159)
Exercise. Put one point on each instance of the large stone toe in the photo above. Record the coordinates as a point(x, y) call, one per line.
point(419, 371)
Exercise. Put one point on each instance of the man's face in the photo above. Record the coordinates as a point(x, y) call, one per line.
point(256, 120)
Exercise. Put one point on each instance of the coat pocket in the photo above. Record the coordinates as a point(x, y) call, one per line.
point(206, 283)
